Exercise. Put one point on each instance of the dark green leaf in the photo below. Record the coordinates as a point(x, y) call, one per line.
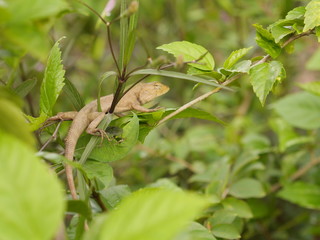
point(227, 231)
point(73, 95)
point(111, 150)
point(240, 207)
point(25, 87)
point(100, 172)
point(112, 196)
point(195, 231)
point(80, 207)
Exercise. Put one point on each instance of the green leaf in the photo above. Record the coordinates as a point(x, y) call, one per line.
point(156, 214)
point(300, 110)
point(179, 75)
point(304, 194)
point(281, 29)
point(235, 56)
point(312, 17)
point(195, 231)
point(266, 41)
point(313, 62)
point(12, 122)
point(53, 81)
point(73, 95)
point(190, 52)
point(227, 231)
point(112, 196)
point(247, 188)
point(36, 123)
point(25, 87)
point(296, 13)
point(240, 67)
point(100, 172)
point(80, 207)
point(27, 190)
point(263, 77)
point(110, 150)
point(240, 207)
point(222, 216)
point(33, 10)
point(311, 87)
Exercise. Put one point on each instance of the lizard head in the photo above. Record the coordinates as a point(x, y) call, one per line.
point(150, 91)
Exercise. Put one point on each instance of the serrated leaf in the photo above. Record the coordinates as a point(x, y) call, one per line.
point(235, 56)
point(53, 81)
point(36, 122)
point(300, 110)
point(263, 77)
point(296, 13)
point(312, 16)
point(304, 194)
point(247, 188)
point(156, 214)
point(190, 52)
point(27, 190)
point(266, 41)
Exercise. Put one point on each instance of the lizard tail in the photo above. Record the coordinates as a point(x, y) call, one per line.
point(69, 152)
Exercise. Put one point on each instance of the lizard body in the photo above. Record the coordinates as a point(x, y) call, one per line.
point(88, 118)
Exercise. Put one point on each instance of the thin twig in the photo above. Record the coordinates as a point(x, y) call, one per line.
point(52, 137)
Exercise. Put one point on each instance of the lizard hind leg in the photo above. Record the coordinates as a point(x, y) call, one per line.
point(92, 129)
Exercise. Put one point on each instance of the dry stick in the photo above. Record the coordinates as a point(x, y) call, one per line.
point(199, 99)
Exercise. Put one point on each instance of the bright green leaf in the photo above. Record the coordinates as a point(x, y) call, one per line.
point(300, 110)
point(13, 123)
point(304, 194)
point(296, 13)
point(247, 188)
point(234, 57)
point(53, 81)
point(190, 52)
point(281, 29)
point(263, 77)
point(312, 16)
point(31, 197)
point(156, 214)
point(266, 41)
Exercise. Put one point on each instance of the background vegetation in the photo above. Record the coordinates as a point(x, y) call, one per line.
point(255, 168)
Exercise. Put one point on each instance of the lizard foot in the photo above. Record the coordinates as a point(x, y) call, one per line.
point(99, 132)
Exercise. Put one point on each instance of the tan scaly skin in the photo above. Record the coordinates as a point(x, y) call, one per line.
point(88, 118)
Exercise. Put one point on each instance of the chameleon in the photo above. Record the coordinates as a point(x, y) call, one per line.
point(88, 118)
